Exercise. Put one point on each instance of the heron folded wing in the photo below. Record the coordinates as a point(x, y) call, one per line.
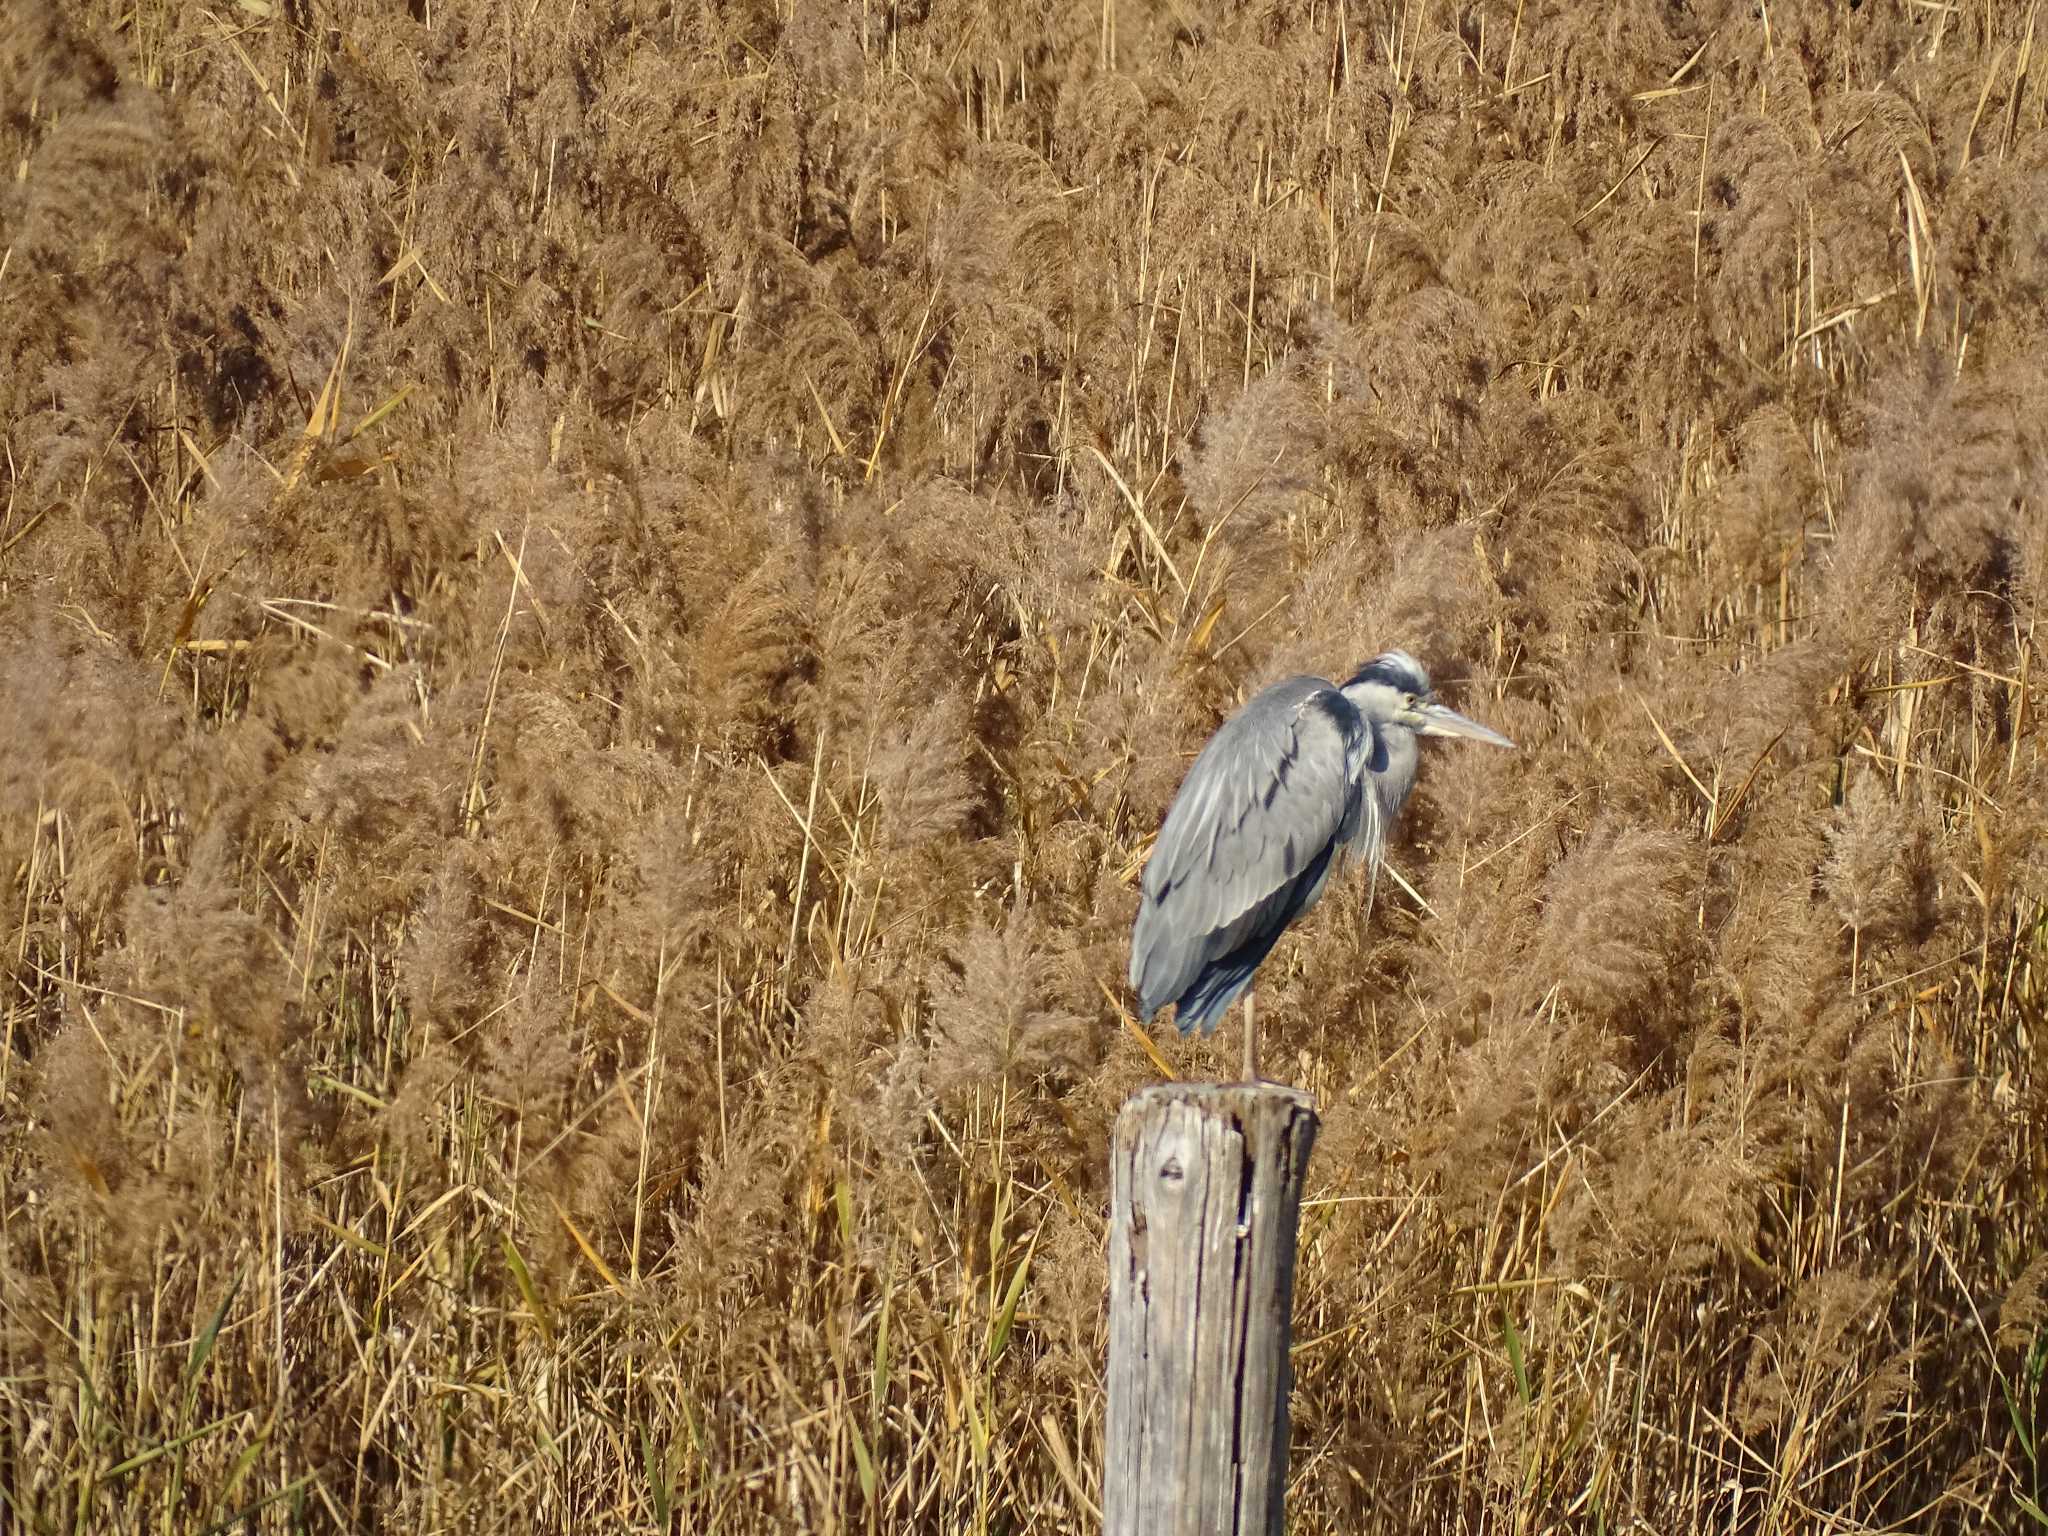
point(1260, 810)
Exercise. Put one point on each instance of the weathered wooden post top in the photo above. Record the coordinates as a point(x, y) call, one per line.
point(1205, 1200)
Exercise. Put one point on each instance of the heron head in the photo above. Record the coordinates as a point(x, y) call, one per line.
point(1392, 689)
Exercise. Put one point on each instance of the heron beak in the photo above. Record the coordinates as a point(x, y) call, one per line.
point(1440, 721)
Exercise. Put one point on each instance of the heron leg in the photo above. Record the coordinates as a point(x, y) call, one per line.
point(1251, 1040)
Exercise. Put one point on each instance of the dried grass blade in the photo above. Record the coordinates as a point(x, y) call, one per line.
point(597, 1262)
point(1676, 756)
point(324, 417)
point(1919, 232)
point(227, 35)
point(1144, 522)
point(838, 443)
point(1622, 181)
point(1137, 1033)
point(1722, 818)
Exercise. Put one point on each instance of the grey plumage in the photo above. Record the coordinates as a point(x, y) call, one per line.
point(1306, 776)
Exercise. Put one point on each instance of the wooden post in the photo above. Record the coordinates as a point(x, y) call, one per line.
point(1205, 1199)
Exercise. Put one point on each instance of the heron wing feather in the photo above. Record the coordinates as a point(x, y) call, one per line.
point(1247, 842)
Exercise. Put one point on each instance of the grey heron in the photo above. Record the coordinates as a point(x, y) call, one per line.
point(1307, 774)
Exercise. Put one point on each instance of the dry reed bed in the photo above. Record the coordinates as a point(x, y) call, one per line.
point(600, 602)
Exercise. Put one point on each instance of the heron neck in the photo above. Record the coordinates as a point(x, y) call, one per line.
point(1392, 781)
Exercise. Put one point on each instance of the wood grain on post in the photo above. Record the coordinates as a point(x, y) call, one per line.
point(1206, 1184)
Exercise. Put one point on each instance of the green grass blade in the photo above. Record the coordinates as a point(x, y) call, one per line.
point(202, 1347)
point(1515, 1359)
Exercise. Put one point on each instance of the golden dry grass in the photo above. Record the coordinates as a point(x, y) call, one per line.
point(599, 603)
